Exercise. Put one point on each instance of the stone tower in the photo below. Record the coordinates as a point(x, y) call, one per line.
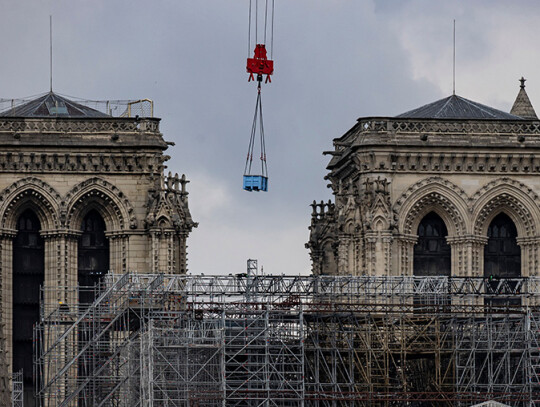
point(451, 188)
point(81, 193)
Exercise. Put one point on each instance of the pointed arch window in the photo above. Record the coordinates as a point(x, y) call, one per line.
point(28, 276)
point(431, 251)
point(502, 255)
point(502, 259)
point(93, 258)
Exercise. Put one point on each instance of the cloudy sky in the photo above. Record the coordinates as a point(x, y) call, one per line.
point(335, 61)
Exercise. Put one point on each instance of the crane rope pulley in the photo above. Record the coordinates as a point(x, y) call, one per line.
point(258, 66)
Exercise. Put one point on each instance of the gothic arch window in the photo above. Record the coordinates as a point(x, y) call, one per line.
point(432, 252)
point(93, 258)
point(93, 264)
point(28, 276)
point(502, 255)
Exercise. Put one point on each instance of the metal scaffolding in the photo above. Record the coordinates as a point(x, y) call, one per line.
point(260, 340)
point(17, 389)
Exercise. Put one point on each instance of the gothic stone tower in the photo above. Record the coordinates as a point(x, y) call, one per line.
point(450, 188)
point(81, 193)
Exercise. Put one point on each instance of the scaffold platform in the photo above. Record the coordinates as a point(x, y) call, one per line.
point(264, 340)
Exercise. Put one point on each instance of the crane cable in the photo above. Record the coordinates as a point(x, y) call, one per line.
point(257, 117)
point(266, 8)
point(249, 31)
point(272, 33)
point(268, 69)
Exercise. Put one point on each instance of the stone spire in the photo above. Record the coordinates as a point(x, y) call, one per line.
point(522, 106)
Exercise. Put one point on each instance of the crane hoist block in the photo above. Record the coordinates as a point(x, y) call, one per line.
point(260, 64)
point(255, 183)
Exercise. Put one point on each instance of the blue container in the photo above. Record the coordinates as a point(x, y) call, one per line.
point(255, 183)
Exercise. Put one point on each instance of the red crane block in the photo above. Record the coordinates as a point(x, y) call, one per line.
point(260, 64)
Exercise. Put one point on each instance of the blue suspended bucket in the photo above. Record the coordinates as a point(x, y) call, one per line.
point(255, 183)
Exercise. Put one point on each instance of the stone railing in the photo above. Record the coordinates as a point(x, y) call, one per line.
point(71, 125)
point(384, 124)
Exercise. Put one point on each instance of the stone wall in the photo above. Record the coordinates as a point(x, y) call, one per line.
point(61, 168)
point(387, 174)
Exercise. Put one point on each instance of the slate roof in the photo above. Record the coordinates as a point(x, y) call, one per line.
point(457, 107)
point(52, 105)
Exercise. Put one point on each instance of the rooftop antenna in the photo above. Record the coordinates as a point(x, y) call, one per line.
point(50, 39)
point(454, 63)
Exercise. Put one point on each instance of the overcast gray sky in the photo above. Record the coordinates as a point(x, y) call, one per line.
point(335, 61)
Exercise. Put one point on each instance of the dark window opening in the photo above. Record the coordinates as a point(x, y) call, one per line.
point(432, 252)
point(93, 264)
point(93, 260)
point(431, 258)
point(502, 260)
point(28, 276)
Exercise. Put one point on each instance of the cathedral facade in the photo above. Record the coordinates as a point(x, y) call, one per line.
point(451, 188)
point(82, 193)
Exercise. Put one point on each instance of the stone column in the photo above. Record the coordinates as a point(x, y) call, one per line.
point(164, 251)
point(529, 262)
point(467, 261)
point(316, 262)
point(371, 250)
point(61, 268)
point(458, 255)
point(379, 253)
point(343, 255)
point(467, 255)
point(360, 255)
point(384, 254)
point(476, 244)
point(60, 286)
point(154, 250)
point(6, 284)
point(118, 252)
point(170, 251)
point(529, 255)
point(180, 264)
point(405, 253)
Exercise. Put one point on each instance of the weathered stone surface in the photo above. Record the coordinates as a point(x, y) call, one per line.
point(522, 106)
point(387, 173)
point(63, 167)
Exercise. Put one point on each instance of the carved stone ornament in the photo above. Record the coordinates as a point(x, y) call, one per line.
point(167, 206)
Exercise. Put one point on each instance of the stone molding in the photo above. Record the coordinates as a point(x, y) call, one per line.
point(432, 194)
point(469, 215)
point(511, 197)
point(406, 238)
point(112, 203)
point(34, 193)
point(505, 181)
point(81, 162)
point(64, 233)
point(459, 162)
point(475, 239)
point(489, 127)
point(8, 233)
point(74, 125)
point(56, 212)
